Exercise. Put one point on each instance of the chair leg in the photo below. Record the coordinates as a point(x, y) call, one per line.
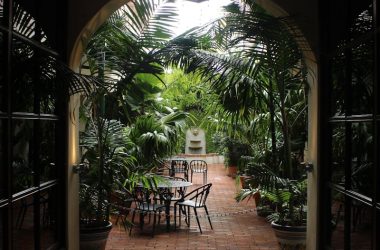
point(124, 221)
point(175, 217)
point(154, 223)
point(196, 216)
point(159, 217)
point(208, 217)
point(117, 218)
point(133, 222)
point(179, 212)
point(188, 217)
point(22, 213)
point(142, 220)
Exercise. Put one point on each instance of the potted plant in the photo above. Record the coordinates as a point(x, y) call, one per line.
point(104, 161)
point(232, 159)
point(288, 200)
point(234, 149)
point(245, 178)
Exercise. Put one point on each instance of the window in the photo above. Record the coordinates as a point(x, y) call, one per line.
point(32, 126)
point(349, 126)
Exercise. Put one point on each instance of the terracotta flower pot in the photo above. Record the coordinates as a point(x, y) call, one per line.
point(232, 171)
point(244, 180)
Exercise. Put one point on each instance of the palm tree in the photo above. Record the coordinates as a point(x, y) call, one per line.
point(107, 158)
point(124, 51)
point(155, 137)
point(123, 54)
point(260, 72)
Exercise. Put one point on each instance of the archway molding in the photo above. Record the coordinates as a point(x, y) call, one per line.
point(88, 30)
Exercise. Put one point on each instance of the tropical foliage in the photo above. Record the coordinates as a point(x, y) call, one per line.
point(190, 93)
point(105, 160)
point(247, 82)
point(128, 130)
point(287, 197)
point(259, 76)
point(254, 65)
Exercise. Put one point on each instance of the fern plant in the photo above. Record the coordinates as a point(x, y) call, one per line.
point(106, 160)
point(288, 197)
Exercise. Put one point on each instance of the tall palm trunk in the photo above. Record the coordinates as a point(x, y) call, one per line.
point(99, 210)
point(285, 126)
point(272, 112)
point(287, 143)
point(272, 126)
point(101, 124)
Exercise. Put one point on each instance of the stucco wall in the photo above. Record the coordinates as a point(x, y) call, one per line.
point(305, 14)
point(72, 209)
point(85, 17)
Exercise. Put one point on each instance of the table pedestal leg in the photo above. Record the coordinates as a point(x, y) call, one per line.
point(167, 213)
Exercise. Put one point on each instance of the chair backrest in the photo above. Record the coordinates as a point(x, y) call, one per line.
point(142, 196)
point(121, 200)
point(176, 191)
point(145, 196)
point(163, 168)
point(177, 178)
point(198, 166)
point(199, 195)
point(179, 166)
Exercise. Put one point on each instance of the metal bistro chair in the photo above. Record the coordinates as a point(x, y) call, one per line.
point(170, 195)
point(179, 166)
point(199, 166)
point(146, 205)
point(121, 202)
point(164, 168)
point(177, 193)
point(195, 199)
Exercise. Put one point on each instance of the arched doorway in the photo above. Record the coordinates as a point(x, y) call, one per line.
point(75, 59)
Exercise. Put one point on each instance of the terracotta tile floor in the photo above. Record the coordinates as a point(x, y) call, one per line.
point(236, 225)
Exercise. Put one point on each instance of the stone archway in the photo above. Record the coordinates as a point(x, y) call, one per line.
point(78, 43)
point(76, 47)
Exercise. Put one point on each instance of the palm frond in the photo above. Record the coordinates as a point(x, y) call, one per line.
point(55, 76)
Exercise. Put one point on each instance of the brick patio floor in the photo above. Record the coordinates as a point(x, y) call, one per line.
point(236, 225)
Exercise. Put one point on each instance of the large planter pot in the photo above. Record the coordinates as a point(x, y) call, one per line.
point(94, 236)
point(232, 171)
point(290, 237)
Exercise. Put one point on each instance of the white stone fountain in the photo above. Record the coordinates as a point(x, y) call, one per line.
point(195, 141)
